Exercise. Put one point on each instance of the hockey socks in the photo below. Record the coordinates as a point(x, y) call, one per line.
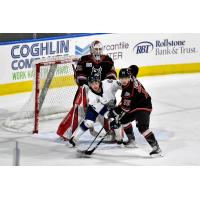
point(150, 138)
point(129, 132)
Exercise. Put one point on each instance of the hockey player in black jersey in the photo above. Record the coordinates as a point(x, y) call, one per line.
point(136, 105)
point(95, 60)
point(128, 128)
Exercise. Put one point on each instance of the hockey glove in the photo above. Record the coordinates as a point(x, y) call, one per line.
point(112, 114)
point(114, 124)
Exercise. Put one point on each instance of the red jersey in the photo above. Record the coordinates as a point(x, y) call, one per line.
point(87, 64)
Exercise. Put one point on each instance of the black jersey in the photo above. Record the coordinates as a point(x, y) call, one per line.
point(134, 98)
point(87, 64)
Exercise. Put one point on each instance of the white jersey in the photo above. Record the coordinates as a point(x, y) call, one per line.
point(109, 87)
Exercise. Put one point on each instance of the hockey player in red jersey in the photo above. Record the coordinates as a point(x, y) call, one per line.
point(127, 127)
point(136, 104)
point(95, 61)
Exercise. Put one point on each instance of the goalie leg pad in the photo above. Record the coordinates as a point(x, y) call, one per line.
point(66, 124)
point(70, 123)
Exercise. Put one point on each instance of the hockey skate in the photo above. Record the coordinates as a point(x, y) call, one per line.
point(109, 138)
point(156, 151)
point(118, 139)
point(73, 141)
point(119, 142)
point(130, 143)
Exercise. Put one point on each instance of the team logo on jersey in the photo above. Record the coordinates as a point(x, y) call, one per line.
point(82, 51)
point(110, 80)
point(127, 102)
point(96, 71)
point(127, 94)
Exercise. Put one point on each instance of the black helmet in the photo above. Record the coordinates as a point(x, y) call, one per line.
point(94, 78)
point(133, 69)
point(124, 73)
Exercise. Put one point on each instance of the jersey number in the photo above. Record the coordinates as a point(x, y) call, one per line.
point(126, 102)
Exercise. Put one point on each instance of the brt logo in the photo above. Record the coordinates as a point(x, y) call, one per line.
point(143, 47)
point(82, 51)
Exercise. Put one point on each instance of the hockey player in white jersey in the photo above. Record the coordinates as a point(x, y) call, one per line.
point(101, 96)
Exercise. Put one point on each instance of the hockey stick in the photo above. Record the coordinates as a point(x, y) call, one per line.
point(89, 152)
point(91, 142)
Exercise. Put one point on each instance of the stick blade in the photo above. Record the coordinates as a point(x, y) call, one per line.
point(89, 152)
point(82, 154)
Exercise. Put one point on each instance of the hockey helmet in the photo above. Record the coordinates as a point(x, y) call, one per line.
point(124, 73)
point(133, 69)
point(96, 48)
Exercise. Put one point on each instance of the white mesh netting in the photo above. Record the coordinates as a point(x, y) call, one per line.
point(57, 91)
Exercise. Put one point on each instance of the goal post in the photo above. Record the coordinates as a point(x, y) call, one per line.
point(52, 93)
point(37, 91)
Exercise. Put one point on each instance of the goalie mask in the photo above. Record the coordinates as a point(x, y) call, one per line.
point(96, 49)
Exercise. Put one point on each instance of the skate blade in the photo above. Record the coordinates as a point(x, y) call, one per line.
point(131, 147)
point(159, 155)
point(109, 142)
point(71, 146)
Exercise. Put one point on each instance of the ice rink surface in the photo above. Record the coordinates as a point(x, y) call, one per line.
point(175, 120)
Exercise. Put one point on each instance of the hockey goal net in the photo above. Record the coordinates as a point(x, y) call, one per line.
point(53, 91)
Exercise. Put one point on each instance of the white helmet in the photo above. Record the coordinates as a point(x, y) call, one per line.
point(96, 48)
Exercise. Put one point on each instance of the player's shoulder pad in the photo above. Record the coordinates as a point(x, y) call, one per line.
point(112, 81)
point(86, 87)
point(108, 58)
point(85, 58)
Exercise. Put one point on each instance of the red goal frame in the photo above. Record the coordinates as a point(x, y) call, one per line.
point(38, 66)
